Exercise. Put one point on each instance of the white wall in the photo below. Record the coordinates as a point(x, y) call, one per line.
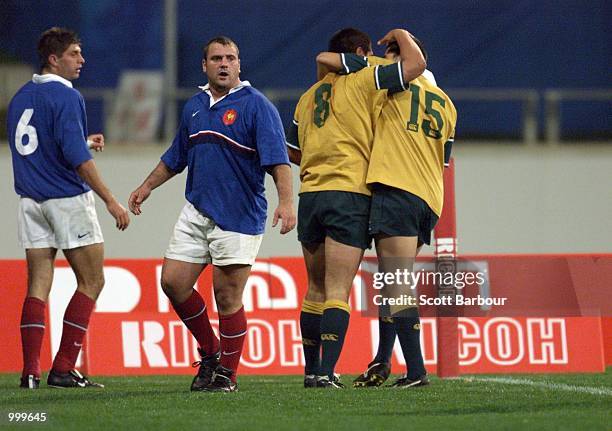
point(510, 199)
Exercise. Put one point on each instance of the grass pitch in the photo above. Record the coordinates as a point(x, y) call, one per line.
point(542, 402)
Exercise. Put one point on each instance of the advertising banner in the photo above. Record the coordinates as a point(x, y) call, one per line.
point(134, 330)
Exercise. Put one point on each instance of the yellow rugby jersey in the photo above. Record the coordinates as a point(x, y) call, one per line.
point(334, 120)
point(413, 136)
point(413, 139)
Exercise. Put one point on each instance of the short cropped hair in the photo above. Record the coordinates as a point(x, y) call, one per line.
point(348, 40)
point(222, 40)
point(56, 41)
point(393, 47)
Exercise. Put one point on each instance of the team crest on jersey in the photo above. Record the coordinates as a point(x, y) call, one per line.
point(229, 117)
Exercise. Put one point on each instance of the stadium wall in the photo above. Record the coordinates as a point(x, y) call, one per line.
point(510, 199)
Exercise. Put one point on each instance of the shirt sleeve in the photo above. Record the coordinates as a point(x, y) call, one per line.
point(175, 157)
point(71, 129)
point(292, 131)
point(292, 136)
point(448, 146)
point(390, 77)
point(382, 77)
point(352, 63)
point(269, 134)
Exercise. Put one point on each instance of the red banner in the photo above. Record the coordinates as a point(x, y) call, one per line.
point(135, 331)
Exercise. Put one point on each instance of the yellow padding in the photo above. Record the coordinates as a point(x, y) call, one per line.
point(312, 307)
point(334, 303)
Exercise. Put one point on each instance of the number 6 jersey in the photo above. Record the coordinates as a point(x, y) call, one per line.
point(47, 132)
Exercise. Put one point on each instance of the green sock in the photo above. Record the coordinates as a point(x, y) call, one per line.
point(409, 333)
point(334, 324)
point(386, 340)
point(310, 325)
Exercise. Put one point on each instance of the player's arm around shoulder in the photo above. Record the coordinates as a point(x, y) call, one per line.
point(412, 62)
point(343, 63)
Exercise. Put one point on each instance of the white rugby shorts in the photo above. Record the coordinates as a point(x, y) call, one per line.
point(63, 223)
point(198, 239)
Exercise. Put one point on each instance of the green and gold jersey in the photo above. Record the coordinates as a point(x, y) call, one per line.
point(413, 138)
point(333, 129)
point(412, 143)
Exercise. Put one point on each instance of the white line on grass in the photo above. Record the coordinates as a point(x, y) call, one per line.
point(546, 385)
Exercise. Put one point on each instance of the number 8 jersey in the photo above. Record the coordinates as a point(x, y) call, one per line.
point(334, 120)
point(47, 133)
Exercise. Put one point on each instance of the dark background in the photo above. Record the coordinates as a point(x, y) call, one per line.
point(472, 44)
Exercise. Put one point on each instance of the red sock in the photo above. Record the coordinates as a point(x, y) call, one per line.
point(76, 320)
point(232, 328)
point(193, 314)
point(32, 333)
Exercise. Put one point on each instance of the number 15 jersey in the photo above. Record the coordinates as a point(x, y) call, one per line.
point(413, 139)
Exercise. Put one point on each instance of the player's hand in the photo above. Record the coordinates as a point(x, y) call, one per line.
point(96, 142)
point(137, 197)
point(121, 215)
point(286, 213)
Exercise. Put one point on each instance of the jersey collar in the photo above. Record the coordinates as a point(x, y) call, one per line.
point(429, 76)
point(206, 89)
point(50, 77)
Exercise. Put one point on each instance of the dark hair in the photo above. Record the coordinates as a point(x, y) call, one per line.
point(56, 41)
point(223, 40)
point(348, 40)
point(393, 47)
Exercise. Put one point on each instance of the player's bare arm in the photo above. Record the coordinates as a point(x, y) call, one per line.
point(90, 175)
point(328, 62)
point(295, 156)
point(285, 210)
point(96, 142)
point(413, 62)
point(323, 68)
point(156, 178)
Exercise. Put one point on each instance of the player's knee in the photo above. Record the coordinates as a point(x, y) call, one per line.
point(315, 293)
point(224, 300)
point(167, 286)
point(337, 293)
point(227, 301)
point(92, 286)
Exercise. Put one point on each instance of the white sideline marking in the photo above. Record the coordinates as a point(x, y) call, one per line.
point(546, 385)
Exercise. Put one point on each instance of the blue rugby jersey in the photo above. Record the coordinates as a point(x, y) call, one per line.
point(47, 132)
point(227, 148)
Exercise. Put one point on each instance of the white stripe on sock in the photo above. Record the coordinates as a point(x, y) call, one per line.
point(195, 315)
point(82, 328)
point(232, 336)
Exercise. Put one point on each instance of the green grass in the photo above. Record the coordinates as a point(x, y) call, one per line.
point(279, 402)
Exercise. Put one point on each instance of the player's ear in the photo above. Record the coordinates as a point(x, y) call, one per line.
point(53, 60)
point(204, 65)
